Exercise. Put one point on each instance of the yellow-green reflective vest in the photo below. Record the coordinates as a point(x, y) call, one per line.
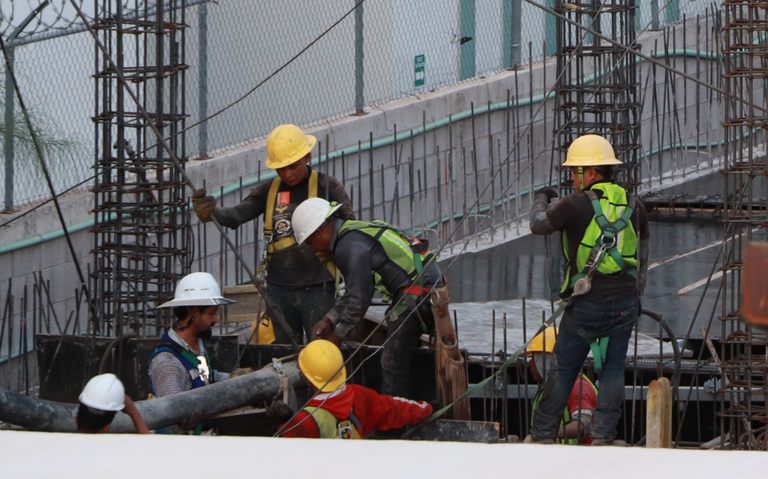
point(615, 209)
point(566, 413)
point(396, 247)
point(332, 428)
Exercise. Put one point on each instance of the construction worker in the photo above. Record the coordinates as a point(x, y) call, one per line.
point(605, 241)
point(297, 281)
point(180, 361)
point(371, 255)
point(101, 399)
point(346, 411)
point(576, 424)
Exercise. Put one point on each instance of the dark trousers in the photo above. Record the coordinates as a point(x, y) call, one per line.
point(403, 336)
point(583, 322)
point(303, 307)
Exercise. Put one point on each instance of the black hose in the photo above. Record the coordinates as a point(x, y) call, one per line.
point(676, 347)
point(114, 342)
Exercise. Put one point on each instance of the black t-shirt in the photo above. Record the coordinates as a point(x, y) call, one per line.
point(573, 214)
point(296, 265)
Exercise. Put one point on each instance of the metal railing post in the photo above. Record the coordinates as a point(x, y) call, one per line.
point(359, 80)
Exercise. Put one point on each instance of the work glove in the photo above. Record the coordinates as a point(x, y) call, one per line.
point(203, 205)
point(549, 192)
point(279, 411)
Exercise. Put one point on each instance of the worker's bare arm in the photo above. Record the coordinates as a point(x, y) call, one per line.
point(132, 412)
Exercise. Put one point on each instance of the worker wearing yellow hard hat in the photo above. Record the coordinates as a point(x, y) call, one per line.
point(605, 236)
point(299, 282)
point(345, 411)
point(576, 418)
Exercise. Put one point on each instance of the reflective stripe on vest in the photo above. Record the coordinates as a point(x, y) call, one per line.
point(332, 428)
point(566, 413)
point(613, 205)
point(273, 246)
point(397, 249)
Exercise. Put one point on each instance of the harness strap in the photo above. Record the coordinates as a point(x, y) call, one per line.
point(270, 209)
point(599, 349)
point(610, 230)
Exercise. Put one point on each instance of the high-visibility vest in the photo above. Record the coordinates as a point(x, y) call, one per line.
point(331, 427)
point(611, 220)
point(408, 253)
point(566, 413)
point(281, 244)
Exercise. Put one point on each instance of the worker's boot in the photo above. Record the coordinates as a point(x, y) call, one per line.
point(605, 442)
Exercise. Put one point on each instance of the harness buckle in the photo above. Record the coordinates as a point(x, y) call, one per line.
point(203, 370)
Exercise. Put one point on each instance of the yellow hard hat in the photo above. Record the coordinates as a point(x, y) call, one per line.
point(266, 334)
point(543, 342)
point(286, 145)
point(591, 150)
point(320, 361)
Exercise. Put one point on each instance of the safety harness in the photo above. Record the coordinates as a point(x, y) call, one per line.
point(410, 254)
point(566, 413)
point(199, 368)
point(609, 246)
point(288, 241)
point(331, 427)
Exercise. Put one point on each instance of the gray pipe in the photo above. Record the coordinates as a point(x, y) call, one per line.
point(51, 416)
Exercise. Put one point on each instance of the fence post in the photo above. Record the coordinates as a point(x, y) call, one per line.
point(654, 14)
point(359, 81)
point(512, 33)
point(9, 129)
point(467, 39)
point(202, 135)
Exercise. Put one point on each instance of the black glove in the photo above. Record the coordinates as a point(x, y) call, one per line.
point(280, 411)
point(549, 192)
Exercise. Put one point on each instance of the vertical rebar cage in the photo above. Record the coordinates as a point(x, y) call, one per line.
point(598, 83)
point(141, 232)
point(743, 351)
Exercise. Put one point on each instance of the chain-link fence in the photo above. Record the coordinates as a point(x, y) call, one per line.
point(329, 59)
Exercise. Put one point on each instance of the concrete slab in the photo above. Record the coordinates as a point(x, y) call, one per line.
point(62, 456)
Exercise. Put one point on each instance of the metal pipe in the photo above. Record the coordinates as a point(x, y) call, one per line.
point(52, 416)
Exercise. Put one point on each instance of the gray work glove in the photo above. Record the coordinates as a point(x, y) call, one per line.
point(549, 192)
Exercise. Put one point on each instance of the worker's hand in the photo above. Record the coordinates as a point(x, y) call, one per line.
point(132, 412)
point(549, 192)
point(189, 423)
point(324, 329)
point(203, 204)
point(279, 411)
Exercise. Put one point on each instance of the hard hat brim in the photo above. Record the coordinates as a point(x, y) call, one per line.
point(98, 407)
point(196, 302)
point(591, 163)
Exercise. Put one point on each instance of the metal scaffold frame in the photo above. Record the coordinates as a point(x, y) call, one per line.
point(598, 89)
point(141, 234)
point(745, 358)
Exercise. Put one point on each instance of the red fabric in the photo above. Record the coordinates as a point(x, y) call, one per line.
point(374, 410)
point(588, 399)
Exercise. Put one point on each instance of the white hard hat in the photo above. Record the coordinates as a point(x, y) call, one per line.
point(309, 216)
point(197, 289)
point(104, 392)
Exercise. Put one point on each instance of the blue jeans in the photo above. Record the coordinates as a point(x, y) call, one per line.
point(583, 322)
point(302, 307)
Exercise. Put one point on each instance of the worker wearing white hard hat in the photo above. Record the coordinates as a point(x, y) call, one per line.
point(301, 284)
point(180, 362)
point(605, 235)
point(102, 398)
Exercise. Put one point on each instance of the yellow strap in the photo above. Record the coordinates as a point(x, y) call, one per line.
point(271, 200)
point(312, 193)
point(273, 246)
